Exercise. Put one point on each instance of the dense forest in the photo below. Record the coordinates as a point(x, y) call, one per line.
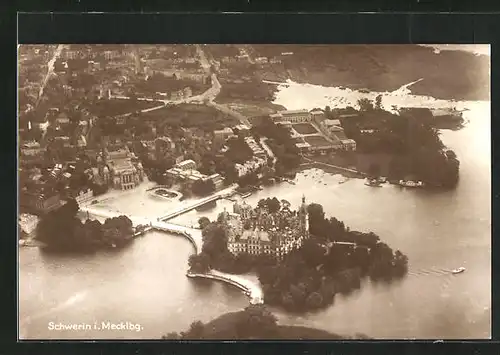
point(254, 322)
point(416, 150)
point(447, 75)
point(280, 142)
point(333, 260)
point(62, 230)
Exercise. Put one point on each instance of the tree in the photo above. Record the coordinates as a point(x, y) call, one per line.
point(365, 104)
point(312, 252)
point(374, 169)
point(203, 188)
point(203, 222)
point(328, 111)
point(378, 102)
point(171, 335)
point(314, 300)
point(214, 240)
point(199, 263)
point(262, 203)
point(195, 330)
point(256, 321)
point(273, 205)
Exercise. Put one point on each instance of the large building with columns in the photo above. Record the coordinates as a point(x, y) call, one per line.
point(125, 174)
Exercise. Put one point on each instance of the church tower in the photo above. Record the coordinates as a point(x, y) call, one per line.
point(304, 218)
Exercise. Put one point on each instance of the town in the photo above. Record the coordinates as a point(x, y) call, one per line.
point(97, 120)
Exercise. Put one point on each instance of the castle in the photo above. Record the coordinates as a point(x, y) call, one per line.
point(260, 231)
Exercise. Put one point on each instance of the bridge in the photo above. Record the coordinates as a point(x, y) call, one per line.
point(191, 205)
point(192, 234)
point(251, 289)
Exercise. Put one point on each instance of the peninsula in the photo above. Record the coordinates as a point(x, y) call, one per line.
point(302, 258)
point(254, 322)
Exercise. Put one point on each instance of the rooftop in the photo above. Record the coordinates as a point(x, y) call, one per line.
point(329, 122)
point(186, 162)
point(294, 112)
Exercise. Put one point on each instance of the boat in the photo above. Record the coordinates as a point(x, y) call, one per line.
point(458, 271)
point(373, 183)
point(382, 179)
point(410, 183)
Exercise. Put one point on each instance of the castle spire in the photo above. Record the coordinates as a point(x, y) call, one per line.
point(303, 198)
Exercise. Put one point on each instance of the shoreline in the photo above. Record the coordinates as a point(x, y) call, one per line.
point(249, 287)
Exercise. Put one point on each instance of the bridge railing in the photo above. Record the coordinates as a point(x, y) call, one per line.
point(190, 207)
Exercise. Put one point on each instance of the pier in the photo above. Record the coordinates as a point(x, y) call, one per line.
point(341, 168)
point(250, 289)
point(194, 236)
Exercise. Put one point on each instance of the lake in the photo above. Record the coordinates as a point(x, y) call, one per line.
point(145, 284)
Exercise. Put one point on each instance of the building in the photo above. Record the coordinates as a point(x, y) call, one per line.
point(293, 116)
point(186, 165)
point(317, 115)
point(258, 231)
point(331, 127)
point(220, 136)
point(124, 174)
point(242, 128)
point(192, 175)
point(84, 196)
point(250, 166)
point(28, 222)
point(65, 140)
point(40, 202)
point(187, 92)
point(256, 149)
point(331, 123)
point(81, 142)
point(218, 180)
point(348, 144)
point(31, 148)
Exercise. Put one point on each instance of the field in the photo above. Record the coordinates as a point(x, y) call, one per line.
point(304, 128)
point(165, 84)
point(251, 108)
point(317, 140)
point(191, 115)
point(248, 91)
point(116, 107)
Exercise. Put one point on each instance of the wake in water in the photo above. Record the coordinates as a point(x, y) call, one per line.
point(431, 271)
point(73, 300)
point(403, 90)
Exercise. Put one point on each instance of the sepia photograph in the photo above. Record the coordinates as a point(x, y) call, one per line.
point(254, 191)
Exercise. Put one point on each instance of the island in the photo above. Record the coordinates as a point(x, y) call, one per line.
point(254, 322)
point(302, 258)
